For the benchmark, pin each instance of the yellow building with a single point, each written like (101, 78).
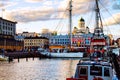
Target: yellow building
(36, 42)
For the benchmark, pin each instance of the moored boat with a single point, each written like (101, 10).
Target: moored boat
(61, 53)
(93, 70)
(3, 58)
(98, 67)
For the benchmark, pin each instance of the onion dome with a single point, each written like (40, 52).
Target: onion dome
(82, 19)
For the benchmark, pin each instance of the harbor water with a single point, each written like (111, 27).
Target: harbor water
(38, 69)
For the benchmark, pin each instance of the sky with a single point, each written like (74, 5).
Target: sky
(35, 15)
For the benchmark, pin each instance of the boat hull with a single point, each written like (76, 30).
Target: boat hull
(63, 55)
(3, 58)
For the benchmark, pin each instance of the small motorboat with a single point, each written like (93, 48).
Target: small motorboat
(3, 58)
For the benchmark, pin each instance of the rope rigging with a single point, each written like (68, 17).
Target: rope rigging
(109, 13)
(61, 20)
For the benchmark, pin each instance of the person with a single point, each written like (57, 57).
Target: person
(2, 50)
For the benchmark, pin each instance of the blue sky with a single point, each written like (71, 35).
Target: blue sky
(35, 15)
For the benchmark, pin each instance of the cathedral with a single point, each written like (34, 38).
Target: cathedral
(81, 29)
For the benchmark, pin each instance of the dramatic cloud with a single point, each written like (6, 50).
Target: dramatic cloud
(50, 10)
(28, 15)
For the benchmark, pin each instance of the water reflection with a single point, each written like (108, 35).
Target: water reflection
(44, 69)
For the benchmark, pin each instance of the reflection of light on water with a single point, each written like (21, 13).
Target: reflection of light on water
(46, 69)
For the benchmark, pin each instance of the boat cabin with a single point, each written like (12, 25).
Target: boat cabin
(92, 70)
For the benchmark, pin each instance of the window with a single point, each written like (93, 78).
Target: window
(96, 70)
(106, 72)
(83, 70)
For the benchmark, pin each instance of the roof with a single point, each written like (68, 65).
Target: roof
(7, 20)
(36, 38)
(103, 63)
(82, 19)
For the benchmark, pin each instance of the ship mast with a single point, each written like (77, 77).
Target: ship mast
(98, 27)
(70, 22)
(97, 14)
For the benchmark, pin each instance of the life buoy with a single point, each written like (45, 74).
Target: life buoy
(98, 78)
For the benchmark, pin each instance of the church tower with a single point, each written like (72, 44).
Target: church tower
(81, 23)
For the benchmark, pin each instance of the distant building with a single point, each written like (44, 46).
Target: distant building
(28, 34)
(46, 33)
(81, 35)
(62, 40)
(19, 37)
(82, 40)
(35, 42)
(81, 29)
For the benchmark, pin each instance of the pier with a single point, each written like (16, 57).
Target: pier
(19, 55)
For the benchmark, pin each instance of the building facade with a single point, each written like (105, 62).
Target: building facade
(35, 42)
(7, 27)
(28, 34)
(8, 43)
(62, 40)
(7, 33)
(82, 40)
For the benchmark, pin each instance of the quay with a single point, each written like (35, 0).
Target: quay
(16, 55)
(23, 54)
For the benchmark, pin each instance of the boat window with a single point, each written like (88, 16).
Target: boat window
(96, 70)
(106, 72)
(83, 71)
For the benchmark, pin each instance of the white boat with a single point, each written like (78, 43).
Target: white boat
(93, 70)
(3, 58)
(59, 54)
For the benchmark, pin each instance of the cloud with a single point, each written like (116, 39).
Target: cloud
(85, 6)
(6, 4)
(48, 12)
(115, 19)
(28, 14)
(33, 1)
(82, 6)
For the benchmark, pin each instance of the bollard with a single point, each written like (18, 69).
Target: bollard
(26, 59)
(18, 59)
(9, 59)
(33, 58)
